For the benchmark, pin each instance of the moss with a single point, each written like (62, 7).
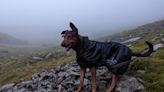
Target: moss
(154, 75)
(154, 82)
(140, 64)
(159, 54)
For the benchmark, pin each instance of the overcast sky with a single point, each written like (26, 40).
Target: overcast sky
(43, 20)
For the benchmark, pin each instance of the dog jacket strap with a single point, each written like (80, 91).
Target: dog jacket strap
(120, 64)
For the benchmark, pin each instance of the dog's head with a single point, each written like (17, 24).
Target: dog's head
(70, 37)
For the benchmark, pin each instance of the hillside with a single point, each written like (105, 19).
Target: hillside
(149, 69)
(8, 39)
(146, 31)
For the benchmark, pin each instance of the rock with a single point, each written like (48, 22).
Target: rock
(49, 55)
(25, 84)
(161, 35)
(86, 82)
(141, 81)
(35, 77)
(162, 40)
(132, 39)
(155, 38)
(7, 87)
(13, 57)
(102, 70)
(20, 90)
(102, 84)
(141, 71)
(158, 46)
(129, 84)
(37, 58)
(67, 79)
(62, 74)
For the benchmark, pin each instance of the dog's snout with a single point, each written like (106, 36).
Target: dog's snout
(62, 44)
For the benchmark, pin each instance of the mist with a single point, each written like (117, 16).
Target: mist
(43, 20)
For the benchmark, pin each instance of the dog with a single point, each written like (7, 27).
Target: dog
(92, 54)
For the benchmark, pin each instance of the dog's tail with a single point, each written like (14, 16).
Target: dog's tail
(147, 53)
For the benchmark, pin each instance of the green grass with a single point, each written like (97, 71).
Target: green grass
(154, 71)
(13, 71)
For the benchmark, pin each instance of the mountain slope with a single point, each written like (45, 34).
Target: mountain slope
(146, 31)
(8, 39)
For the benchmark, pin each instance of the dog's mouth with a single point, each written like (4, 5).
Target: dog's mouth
(68, 47)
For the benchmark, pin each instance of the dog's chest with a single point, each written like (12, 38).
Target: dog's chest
(96, 53)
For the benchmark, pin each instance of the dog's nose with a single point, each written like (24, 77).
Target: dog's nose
(62, 44)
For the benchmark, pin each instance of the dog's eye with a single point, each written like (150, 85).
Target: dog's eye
(69, 36)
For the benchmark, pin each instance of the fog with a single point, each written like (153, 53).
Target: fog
(43, 20)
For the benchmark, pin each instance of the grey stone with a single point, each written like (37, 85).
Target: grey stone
(37, 58)
(162, 40)
(132, 39)
(67, 79)
(141, 71)
(141, 81)
(7, 87)
(101, 85)
(158, 46)
(49, 55)
(21, 90)
(129, 84)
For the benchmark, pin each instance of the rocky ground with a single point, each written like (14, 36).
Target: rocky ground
(66, 79)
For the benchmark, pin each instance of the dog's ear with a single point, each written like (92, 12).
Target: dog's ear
(63, 32)
(73, 27)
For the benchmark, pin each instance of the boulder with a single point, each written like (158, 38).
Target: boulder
(129, 84)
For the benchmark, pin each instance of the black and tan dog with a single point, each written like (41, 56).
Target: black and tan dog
(92, 54)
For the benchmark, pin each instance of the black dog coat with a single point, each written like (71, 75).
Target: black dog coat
(104, 54)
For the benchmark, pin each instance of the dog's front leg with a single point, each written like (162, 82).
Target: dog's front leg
(82, 74)
(93, 73)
